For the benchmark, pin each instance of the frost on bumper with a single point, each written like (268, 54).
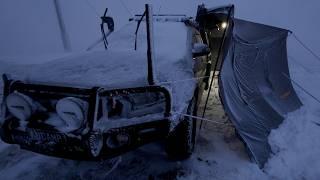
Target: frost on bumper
(63, 120)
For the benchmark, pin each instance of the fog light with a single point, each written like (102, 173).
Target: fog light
(72, 111)
(20, 106)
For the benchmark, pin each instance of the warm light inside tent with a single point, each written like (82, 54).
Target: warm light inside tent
(224, 25)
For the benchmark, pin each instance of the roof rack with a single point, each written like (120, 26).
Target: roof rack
(164, 17)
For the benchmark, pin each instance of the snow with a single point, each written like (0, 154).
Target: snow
(296, 147)
(121, 66)
(219, 154)
(296, 142)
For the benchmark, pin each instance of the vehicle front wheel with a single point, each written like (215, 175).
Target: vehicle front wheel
(181, 141)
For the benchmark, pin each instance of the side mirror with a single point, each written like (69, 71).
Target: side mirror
(107, 20)
(110, 23)
(200, 49)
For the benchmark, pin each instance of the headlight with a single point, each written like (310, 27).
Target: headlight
(20, 106)
(72, 111)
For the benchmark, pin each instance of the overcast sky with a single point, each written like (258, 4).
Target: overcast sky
(30, 27)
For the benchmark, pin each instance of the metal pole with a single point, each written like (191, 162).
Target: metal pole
(150, 50)
(64, 35)
(216, 64)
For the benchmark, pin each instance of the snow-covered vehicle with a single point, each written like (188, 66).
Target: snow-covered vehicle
(100, 104)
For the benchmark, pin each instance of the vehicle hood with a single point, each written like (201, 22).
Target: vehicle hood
(121, 66)
(107, 69)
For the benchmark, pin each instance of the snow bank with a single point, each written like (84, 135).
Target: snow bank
(296, 143)
(214, 159)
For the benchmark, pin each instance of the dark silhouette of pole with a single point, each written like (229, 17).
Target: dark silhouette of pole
(63, 32)
(216, 64)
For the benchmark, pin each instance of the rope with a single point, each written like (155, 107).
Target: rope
(296, 83)
(124, 5)
(303, 67)
(298, 63)
(305, 46)
(113, 167)
(93, 45)
(183, 80)
(205, 119)
(92, 8)
(162, 83)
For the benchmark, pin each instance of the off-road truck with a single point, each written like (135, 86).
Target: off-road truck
(145, 86)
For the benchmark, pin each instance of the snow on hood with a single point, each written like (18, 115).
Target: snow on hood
(108, 69)
(121, 66)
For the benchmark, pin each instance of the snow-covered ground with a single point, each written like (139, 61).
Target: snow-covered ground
(219, 154)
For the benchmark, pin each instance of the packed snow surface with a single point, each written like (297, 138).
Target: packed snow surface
(218, 155)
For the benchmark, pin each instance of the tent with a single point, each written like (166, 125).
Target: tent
(255, 86)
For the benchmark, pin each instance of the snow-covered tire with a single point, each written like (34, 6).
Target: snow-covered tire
(181, 141)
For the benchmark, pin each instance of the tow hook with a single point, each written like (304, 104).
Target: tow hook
(95, 143)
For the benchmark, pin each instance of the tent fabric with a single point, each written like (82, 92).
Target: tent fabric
(254, 89)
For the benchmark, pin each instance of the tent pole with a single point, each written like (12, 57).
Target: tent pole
(216, 64)
(64, 35)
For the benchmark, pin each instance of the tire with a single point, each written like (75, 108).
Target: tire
(181, 141)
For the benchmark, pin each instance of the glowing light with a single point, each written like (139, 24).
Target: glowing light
(224, 25)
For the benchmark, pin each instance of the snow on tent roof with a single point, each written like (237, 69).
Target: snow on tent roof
(254, 89)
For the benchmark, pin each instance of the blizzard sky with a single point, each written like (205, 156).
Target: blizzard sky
(30, 28)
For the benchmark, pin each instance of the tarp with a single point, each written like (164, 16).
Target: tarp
(255, 87)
